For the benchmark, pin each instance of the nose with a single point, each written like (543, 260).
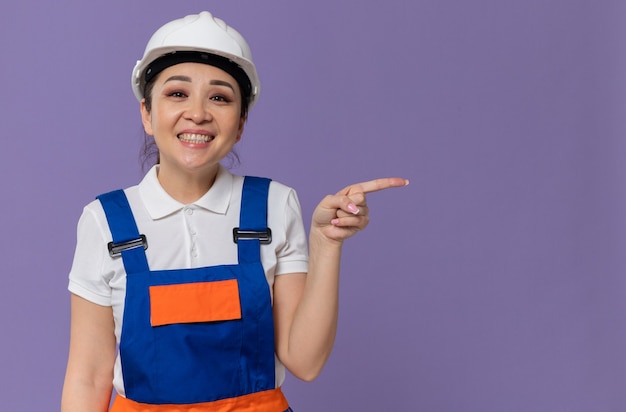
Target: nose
(198, 111)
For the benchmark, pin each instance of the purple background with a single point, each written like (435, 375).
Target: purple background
(494, 282)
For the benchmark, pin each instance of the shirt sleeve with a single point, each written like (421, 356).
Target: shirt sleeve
(87, 277)
(293, 256)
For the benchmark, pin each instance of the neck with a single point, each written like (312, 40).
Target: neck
(186, 187)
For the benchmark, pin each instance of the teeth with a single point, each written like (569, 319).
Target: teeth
(195, 138)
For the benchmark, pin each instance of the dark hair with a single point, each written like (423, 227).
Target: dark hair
(149, 151)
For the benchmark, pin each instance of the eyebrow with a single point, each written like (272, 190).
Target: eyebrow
(212, 82)
(221, 83)
(181, 78)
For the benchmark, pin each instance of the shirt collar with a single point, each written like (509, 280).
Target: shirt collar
(159, 203)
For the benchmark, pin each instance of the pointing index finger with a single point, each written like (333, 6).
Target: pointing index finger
(375, 185)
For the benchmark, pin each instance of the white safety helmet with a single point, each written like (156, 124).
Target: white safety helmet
(208, 37)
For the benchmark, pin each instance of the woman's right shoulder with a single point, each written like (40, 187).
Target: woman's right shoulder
(94, 211)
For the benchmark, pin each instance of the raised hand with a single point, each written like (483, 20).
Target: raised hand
(340, 216)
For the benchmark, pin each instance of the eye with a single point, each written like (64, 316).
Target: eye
(177, 94)
(221, 98)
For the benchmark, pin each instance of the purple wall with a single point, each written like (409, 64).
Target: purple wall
(494, 282)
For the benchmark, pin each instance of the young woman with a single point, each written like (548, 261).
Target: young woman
(195, 289)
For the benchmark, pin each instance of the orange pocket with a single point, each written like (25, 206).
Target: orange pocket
(194, 302)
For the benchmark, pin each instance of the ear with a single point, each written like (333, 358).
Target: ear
(242, 123)
(146, 118)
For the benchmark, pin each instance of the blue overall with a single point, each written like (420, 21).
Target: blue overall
(196, 361)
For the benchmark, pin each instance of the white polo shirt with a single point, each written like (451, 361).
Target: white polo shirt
(183, 236)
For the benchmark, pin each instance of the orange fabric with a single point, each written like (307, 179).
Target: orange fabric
(194, 302)
(266, 401)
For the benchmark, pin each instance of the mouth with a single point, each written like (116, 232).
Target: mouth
(195, 138)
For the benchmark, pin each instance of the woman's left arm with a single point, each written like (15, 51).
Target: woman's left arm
(306, 305)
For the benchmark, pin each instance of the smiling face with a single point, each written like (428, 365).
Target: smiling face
(194, 114)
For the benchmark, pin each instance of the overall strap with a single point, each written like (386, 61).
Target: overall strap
(127, 241)
(252, 230)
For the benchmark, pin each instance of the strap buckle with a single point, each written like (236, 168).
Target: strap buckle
(264, 236)
(116, 249)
